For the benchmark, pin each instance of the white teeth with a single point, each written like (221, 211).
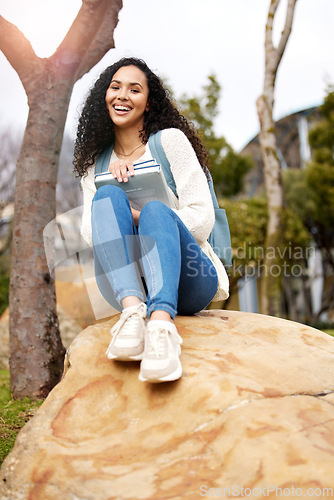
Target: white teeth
(122, 108)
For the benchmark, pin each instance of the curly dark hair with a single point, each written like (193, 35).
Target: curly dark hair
(95, 129)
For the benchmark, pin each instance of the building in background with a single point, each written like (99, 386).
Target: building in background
(293, 148)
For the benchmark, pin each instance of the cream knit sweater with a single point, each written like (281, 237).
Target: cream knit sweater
(193, 205)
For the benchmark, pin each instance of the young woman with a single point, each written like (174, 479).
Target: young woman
(182, 274)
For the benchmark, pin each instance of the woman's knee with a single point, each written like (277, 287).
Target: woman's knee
(154, 209)
(109, 191)
(107, 196)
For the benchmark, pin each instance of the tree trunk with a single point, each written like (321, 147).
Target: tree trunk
(33, 320)
(36, 350)
(272, 276)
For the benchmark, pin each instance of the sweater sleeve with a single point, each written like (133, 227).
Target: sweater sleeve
(88, 190)
(194, 205)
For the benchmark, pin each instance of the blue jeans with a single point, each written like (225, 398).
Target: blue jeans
(177, 276)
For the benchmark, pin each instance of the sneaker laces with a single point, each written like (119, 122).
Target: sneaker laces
(157, 338)
(128, 321)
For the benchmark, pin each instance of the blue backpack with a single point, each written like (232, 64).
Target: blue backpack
(219, 238)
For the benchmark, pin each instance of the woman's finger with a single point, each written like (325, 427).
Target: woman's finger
(131, 169)
(124, 172)
(118, 173)
(112, 168)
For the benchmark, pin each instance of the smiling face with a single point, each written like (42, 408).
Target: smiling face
(127, 98)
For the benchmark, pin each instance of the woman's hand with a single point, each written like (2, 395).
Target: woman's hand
(121, 169)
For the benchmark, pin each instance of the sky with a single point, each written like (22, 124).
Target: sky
(184, 41)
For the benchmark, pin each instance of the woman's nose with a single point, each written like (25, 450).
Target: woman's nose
(123, 94)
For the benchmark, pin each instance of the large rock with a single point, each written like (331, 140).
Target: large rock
(254, 409)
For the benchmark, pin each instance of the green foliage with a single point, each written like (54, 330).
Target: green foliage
(320, 182)
(321, 137)
(295, 235)
(248, 225)
(13, 415)
(248, 222)
(320, 171)
(4, 293)
(227, 167)
(297, 194)
(310, 193)
(4, 282)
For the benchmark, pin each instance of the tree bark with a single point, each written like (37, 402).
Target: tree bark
(36, 350)
(272, 277)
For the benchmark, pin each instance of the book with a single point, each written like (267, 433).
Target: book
(147, 184)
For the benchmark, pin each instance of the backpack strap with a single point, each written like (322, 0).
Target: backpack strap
(212, 192)
(159, 155)
(102, 163)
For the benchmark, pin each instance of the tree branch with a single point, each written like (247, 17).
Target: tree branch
(286, 30)
(92, 28)
(104, 39)
(18, 51)
(269, 46)
(274, 55)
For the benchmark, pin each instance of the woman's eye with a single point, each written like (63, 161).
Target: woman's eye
(135, 91)
(114, 88)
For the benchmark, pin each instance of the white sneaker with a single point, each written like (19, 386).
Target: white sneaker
(128, 334)
(161, 361)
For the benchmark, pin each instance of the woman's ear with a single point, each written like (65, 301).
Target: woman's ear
(147, 106)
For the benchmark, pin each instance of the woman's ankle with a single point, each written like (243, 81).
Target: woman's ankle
(161, 315)
(131, 301)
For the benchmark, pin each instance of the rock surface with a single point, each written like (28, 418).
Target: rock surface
(254, 409)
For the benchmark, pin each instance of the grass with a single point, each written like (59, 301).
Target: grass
(13, 415)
